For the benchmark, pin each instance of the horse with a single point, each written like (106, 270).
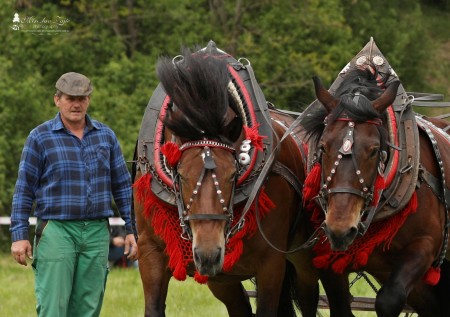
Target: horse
(349, 178)
(212, 152)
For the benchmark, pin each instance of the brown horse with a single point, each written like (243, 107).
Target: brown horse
(202, 168)
(353, 149)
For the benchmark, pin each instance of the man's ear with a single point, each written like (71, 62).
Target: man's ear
(56, 100)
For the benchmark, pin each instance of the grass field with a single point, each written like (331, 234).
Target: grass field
(124, 295)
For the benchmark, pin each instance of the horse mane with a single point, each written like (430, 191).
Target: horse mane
(356, 80)
(197, 86)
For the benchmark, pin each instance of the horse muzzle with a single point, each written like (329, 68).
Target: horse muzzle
(340, 240)
(209, 261)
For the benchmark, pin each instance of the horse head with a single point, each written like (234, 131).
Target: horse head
(351, 153)
(204, 123)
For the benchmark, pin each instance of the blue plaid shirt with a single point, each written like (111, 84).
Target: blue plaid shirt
(64, 178)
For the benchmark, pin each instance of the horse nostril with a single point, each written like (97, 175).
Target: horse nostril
(352, 232)
(197, 256)
(208, 258)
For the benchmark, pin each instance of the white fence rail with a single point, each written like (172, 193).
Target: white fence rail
(115, 221)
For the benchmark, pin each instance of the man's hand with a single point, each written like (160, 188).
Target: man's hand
(130, 247)
(20, 250)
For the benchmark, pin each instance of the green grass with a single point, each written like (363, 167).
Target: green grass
(124, 295)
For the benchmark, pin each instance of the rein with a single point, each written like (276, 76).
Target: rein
(209, 165)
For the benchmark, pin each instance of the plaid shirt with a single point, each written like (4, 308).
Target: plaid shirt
(64, 178)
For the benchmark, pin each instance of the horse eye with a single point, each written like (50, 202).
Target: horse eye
(374, 152)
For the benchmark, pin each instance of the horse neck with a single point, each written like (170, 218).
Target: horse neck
(289, 152)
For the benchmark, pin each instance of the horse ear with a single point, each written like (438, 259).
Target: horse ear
(233, 129)
(387, 98)
(323, 95)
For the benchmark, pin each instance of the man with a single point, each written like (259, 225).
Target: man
(71, 168)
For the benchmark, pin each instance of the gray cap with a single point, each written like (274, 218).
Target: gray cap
(74, 84)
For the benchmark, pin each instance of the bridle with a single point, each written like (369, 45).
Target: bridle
(209, 165)
(366, 191)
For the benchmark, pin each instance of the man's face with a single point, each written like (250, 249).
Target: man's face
(72, 108)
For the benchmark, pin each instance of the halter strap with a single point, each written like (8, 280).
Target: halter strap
(208, 165)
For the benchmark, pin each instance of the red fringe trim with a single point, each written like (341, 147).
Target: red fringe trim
(166, 225)
(358, 253)
(381, 232)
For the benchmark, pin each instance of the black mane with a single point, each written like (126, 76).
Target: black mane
(197, 87)
(356, 80)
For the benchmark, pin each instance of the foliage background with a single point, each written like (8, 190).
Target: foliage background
(117, 43)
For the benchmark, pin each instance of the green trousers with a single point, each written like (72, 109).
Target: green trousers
(70, 264)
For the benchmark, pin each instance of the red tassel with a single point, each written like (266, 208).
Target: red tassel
(252, 134)
(201, 279)
(172, 153)
(360, 260)
(432, 276)
(321, 261)
(180, 272)
(379, 185)
(312, 183)
(340, 264)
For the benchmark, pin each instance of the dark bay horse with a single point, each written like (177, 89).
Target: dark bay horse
(353, 147)
(207, 147)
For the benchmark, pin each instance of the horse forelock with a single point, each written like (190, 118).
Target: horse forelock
(361, 81)
(357, 80)
(197, 86)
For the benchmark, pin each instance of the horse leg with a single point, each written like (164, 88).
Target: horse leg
(155, 277)
(307, 283)
(233, 296)
(336, 287)
(392, 296)
(269, 280)
(432, 301)
(443, 289)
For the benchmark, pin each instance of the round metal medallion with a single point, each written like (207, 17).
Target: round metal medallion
(361, 60)
(378, 60)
